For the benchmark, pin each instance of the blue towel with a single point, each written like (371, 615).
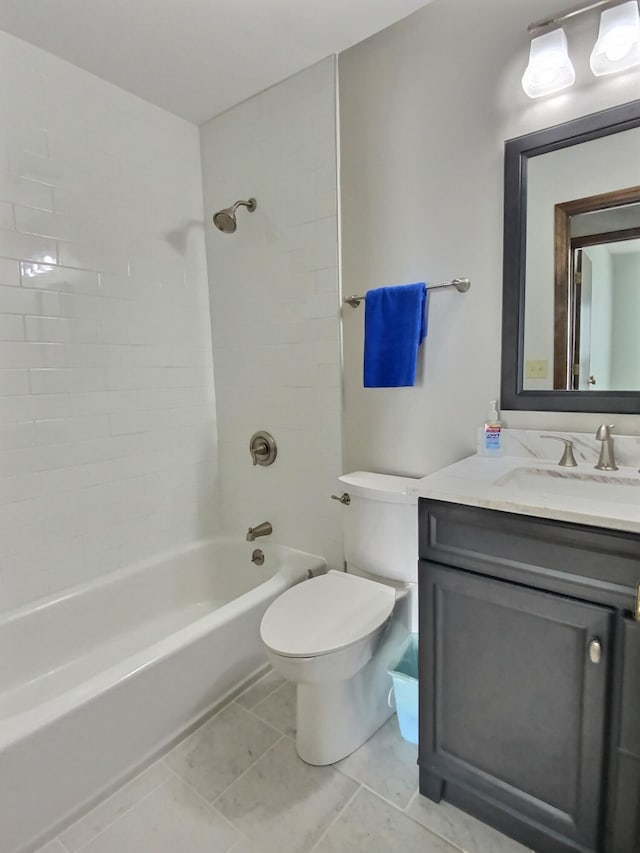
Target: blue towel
(395, 324)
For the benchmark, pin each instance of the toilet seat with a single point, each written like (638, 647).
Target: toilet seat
(325, 614)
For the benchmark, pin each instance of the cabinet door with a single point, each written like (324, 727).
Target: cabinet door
(625, 825)
(512, 706)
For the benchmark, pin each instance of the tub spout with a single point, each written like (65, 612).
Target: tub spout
(263, 529)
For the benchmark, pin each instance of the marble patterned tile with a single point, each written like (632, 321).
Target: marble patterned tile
(220, 750)
(260, 690)
(371, 825)
(246, 846)
(172, 818)
(279, 709)
(281, 803)
(52, 847)
(385, 763)
(463, 830)
(117, 804)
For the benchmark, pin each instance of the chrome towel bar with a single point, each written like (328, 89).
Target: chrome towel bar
(460, 284)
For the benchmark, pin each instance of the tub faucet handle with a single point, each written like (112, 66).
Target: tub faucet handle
(263, 448)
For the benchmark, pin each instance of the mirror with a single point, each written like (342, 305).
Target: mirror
(571, 289)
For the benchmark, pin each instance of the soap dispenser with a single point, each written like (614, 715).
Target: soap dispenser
(492, 437)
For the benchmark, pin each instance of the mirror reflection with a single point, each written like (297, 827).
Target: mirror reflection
(597, 292)
(582, 286)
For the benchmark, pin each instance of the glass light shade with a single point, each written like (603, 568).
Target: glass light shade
(549, 69)
(618, 45)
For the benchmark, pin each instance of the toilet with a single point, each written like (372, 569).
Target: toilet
(336, 635)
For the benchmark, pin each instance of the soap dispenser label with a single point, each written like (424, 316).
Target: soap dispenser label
(492, 437)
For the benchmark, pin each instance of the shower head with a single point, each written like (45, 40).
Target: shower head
(225, 220)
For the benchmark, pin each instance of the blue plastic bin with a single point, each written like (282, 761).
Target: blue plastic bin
(405, 689)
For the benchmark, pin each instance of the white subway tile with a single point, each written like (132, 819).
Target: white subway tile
(23, 191)
(11, 327)
(30, 220)
(9, 273)
(19, 300)
(68, 430)
(26, 354)
(47, 406)
(104, 325)
(17, 435)
(50, 381)
(13, 382)
(32, 459)
(58, 278)
(91, 258)
(27, 247)
(19, 488)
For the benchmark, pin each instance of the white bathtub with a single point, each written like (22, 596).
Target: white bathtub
(95, 681)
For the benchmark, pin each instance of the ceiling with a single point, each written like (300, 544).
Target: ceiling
(197, 58)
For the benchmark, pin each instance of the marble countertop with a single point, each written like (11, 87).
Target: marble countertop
(529, 485)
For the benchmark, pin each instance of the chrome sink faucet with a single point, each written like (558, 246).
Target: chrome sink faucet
(607, 460)
(263, 529)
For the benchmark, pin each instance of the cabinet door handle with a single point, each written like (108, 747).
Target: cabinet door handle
(595, 651)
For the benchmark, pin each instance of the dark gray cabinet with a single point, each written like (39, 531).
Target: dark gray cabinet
(529, 677)
(624, 827)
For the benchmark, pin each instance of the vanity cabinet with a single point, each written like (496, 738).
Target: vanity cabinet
(529, 676)
(625, 800)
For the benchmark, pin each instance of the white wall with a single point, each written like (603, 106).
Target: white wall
(625, 357)
(107, 430)
(425, 108)
(601, 315)
(274, 297)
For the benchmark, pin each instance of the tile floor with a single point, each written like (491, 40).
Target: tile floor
(236, 785)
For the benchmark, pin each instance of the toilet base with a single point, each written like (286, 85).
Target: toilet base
(334, 719)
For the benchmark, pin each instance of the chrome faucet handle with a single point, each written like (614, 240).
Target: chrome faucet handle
(607, 459)
(567, 460)
(603, 433)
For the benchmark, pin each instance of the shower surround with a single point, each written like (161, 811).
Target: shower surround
(107, 419)
(108, 424)
(275, 308)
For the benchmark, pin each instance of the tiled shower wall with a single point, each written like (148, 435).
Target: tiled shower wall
(275, 308)
(107, 426)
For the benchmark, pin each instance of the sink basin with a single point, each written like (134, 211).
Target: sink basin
(606, 485)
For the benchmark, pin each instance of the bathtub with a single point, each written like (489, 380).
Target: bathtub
(95, 681)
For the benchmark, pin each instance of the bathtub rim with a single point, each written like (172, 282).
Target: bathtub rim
(18, 726)
(135, 567)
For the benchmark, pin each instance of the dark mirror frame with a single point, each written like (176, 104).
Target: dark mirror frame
(517, 154)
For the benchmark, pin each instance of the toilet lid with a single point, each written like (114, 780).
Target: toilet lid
(325, 614)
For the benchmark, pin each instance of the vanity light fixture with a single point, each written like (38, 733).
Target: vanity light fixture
(618, 47)
(549, 69)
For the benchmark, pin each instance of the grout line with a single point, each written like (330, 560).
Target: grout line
(246, 770)
(412, 800)
(266, 696)
(271, 725)
(159, 755)
(106, 800)
(337, 817)
(209, 805)
(116, 819)
(413, 819)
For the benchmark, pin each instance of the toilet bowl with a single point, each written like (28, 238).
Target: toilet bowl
(336, 635)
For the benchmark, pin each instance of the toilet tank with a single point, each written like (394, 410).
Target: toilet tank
(381, 526)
